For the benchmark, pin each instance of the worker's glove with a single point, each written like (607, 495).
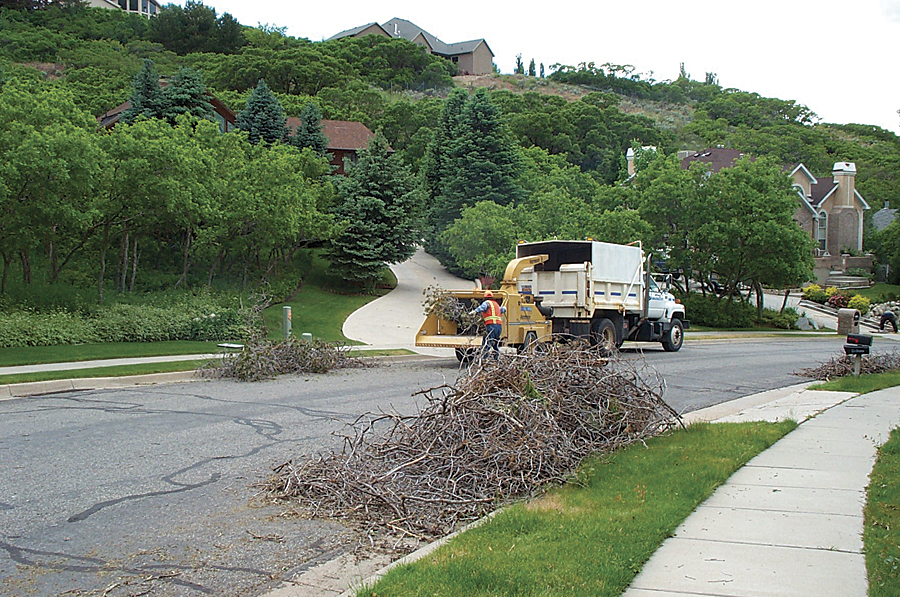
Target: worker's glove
(472, 312)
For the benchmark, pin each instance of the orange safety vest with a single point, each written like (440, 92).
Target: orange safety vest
(492, 315)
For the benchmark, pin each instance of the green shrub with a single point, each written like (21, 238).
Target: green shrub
(783, 321)
(711, 311)
(26, 327)
(858, 301)
(814, 293)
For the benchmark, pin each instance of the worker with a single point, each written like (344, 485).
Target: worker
(888, 317)
(493, 323)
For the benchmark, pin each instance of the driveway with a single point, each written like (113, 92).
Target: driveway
(393, 320)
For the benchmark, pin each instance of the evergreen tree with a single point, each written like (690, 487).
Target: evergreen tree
(310, 133)
(380, 210)
(263, 117)
(520, 66)
(147, 98)
(542, 70)
(186, 94)
(531, 70)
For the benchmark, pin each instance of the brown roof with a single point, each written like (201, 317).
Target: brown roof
(715, 157)
(342, 134)
(110, 118)
(821, 190)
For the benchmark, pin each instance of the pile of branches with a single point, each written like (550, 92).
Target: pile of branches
(444, 305)
(264, 359)
(842, 365)
(502, 432)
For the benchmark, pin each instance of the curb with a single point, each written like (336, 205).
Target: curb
(39, 388)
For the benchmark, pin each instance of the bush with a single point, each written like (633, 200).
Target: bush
(838, 300)
(156, 318)
(783, 321)
(714, 312)
(858, 301)
(831, 291)
(814, 293)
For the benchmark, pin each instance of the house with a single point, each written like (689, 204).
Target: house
(345, 139)
(830, 209)
(470, 57)
(148, 8)
(882, 218)
(224, 115)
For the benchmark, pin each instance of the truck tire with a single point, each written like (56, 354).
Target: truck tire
(674, 338)
(603, 336)
(529, 344)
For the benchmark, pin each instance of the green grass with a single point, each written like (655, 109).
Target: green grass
(319, 311)
(115, 371)
(862, 384)
(881, 533)
(879, 291)
(588, 540)
(35, 355)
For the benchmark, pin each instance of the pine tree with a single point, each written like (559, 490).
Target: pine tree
(381, 208)
(310, 133)
(531, 70)
(263, 117)
(186, 94)
(147, 97)
(520, 66)
(542, 70)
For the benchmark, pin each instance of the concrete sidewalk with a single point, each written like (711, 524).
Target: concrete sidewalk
(790, 522)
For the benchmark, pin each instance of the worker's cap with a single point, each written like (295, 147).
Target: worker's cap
(488, 294)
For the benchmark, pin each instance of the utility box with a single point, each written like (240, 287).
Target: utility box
(848, 321)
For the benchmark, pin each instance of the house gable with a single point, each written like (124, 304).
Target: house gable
(345, 140)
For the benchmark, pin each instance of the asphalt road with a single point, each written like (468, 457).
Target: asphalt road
(151, 490)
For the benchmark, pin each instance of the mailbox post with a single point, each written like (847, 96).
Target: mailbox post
(857, 345)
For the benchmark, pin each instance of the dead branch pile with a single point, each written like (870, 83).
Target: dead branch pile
(445, 306)
(502, 432)
(263, 359)
(842, 365)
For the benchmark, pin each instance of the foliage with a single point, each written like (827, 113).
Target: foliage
(176, 317)
(309, 133)
(263, 117)
(715, 312)
(380, 209)
(814, 293)
(196, 28)
(839, 300)
(860, 303)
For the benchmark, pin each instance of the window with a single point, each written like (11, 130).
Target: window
(145, 5)
(123, 4)
(152, 8)
(133, 5)
(822, 232)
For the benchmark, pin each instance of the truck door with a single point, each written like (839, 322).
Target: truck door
(656, 308)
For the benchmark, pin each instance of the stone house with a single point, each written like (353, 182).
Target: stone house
(470, 57)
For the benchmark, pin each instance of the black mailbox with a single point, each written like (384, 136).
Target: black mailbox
(856, 349)
(859, 339)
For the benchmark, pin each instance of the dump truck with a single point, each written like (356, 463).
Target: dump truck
(565, 289)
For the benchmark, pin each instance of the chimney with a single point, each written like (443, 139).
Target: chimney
(629, 157)
(396, 30)
(845, 177)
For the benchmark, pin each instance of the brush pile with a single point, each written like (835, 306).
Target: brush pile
(503, 431)
(842, 365)
(444, 305)
(264, 359)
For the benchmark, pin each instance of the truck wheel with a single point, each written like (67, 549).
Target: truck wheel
(674, 337)
(465, 355)
(603, 336)
(530, 342)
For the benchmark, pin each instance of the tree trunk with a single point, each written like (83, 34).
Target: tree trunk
(212, 270)
(103, 247)
(186, 262)
(134, 262)
(759, 301)
(51, 258)
(26, 266)
(7, 260)
(123, 262)
(787, 293)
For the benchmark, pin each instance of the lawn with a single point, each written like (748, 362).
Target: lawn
(879, 292)
(117, 371)
(881, 535)
(35, 355)
(588, 538)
